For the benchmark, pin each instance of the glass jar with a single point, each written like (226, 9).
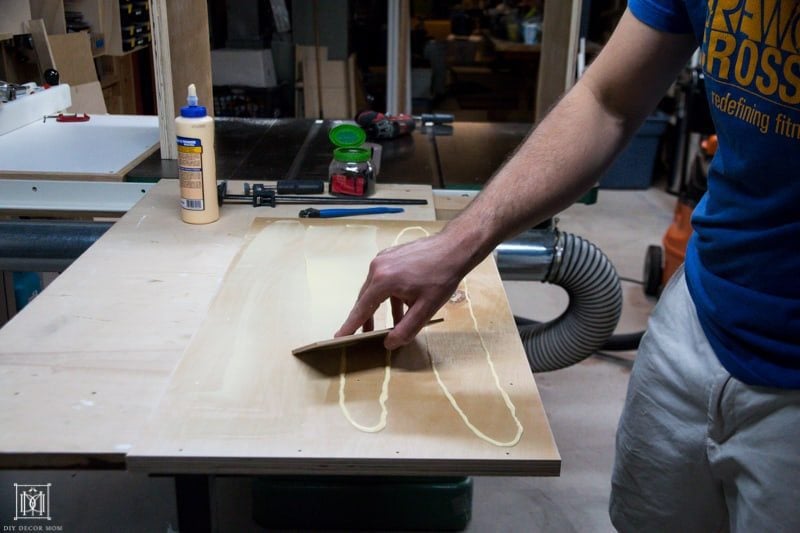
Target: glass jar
(351, 172)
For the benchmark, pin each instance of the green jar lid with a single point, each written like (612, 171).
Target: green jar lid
(351, 155)
(347, 135)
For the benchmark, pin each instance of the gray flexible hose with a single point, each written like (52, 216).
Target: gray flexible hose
(595, 305)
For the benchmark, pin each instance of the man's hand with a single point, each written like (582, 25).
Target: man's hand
(419, 274)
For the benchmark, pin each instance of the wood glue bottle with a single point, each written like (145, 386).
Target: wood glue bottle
(197, 168)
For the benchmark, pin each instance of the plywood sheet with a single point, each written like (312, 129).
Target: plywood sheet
(87, 98)
(51, 13)
(15, 14)
(72, 56)
(190, 52)
(559, 48)
(460, 399)
(85, 364)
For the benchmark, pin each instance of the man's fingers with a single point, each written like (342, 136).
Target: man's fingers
(361, 314)
(365, 307)
(397, 310)
(358, 317)
(369, 325)
(367, 282)
(405, 331)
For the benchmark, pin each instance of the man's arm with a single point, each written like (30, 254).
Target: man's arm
(559, 160)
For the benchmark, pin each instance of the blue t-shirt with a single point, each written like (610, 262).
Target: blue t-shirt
(743, 261)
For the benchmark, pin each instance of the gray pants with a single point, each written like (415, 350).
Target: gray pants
(698, 450)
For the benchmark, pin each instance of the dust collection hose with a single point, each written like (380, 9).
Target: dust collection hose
(621, 342)
(595, 295)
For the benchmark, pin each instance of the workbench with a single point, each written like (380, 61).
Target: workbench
(85, 366)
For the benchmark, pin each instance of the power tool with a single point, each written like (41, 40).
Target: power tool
(380, 126)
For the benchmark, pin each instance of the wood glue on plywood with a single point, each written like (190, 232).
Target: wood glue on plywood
(384, 395)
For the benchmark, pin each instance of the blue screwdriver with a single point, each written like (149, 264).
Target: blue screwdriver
(347, 212)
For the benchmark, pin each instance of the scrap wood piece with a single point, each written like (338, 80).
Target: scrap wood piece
(349, 340)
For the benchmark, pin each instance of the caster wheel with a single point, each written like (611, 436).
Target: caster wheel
(653, 270)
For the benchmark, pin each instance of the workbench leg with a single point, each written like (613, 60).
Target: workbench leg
(193, 496)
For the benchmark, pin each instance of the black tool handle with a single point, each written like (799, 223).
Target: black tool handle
(351, 200)
(300, 187)
(437, 118)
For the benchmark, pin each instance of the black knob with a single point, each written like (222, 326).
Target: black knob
(51, 76)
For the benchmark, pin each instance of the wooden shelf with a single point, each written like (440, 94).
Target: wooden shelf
(128, 52)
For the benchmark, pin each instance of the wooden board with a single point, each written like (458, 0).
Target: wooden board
(83, 365)
(16, 13)
(41, 44)
(118, 83)
(87, 98)
(86, 362)
(450, 202)
(181, 55)
(239, 402)
(561, 26)
(349, 340)
(190, 52)
(162, 71)
(51, 13)
(328, 85)
(105, 147)
(72, 56)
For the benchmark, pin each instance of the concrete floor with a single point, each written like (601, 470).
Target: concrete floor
(583, 403)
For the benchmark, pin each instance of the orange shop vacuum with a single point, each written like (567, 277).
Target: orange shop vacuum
(660, 263)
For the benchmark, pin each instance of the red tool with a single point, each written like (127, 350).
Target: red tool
(380, 126)
(68, 117)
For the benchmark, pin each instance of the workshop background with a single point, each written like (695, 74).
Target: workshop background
(276, 69)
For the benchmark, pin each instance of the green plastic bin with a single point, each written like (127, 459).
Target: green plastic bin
(358, 503)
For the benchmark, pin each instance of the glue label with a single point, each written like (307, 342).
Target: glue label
(190, 173)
